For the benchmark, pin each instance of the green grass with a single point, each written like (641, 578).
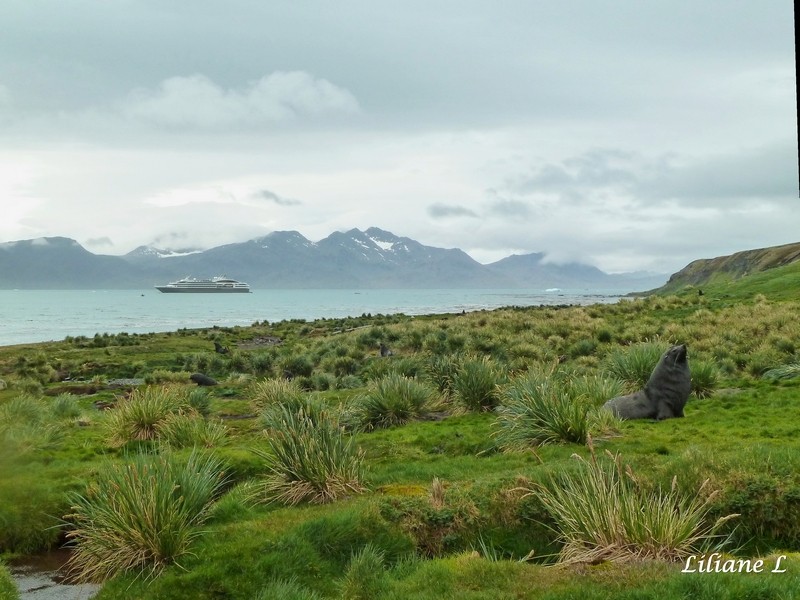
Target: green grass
(8, 589)
(437, 498)
(365, 577)
(286, 589)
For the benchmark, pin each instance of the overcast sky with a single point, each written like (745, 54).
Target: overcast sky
(626, 134)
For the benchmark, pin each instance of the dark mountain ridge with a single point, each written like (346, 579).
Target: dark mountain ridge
(285, 259)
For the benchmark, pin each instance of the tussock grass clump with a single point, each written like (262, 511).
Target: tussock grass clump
(23, 408)
(142, 515)
(8, 589)
(705, 375)
(597, 389)
(21, 440)
(408, 366)
(393, 400)
(138, 417)
(162, 376)
(441, 370)
(268, 392)
(26, 425)
(365, 577)
(634, 364)
(200, 400)
(296, 365)
(475, 384)
(65, 406)
(261, 363)
(29, 502)
(311, 458)
(187, 429)
(286, 589)
(783, 372)
(205, 362)
(536, 410)
(28, 386)
(603, 513)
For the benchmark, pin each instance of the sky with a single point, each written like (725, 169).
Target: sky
(627, 135)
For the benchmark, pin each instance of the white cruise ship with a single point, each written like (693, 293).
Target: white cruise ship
(223, 285)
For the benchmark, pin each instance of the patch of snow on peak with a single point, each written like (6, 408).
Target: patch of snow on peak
(382, 245)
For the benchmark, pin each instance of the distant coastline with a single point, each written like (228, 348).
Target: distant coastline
(33, 316)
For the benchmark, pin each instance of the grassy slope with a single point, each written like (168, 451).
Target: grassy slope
(745, 440)
(757, 266)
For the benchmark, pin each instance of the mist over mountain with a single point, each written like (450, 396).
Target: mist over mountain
(285, 259)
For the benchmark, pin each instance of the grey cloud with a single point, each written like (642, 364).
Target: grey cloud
(597, 167)
(713, 180)
(171, 237)
(273, 197)
(99, 241)
(510, 208)
(198, 102)
(769, 173)
(554, 61)
(444, 211)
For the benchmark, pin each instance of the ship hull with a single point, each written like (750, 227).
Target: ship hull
(177, 290)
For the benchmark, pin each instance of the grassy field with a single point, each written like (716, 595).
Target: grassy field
(318, 469)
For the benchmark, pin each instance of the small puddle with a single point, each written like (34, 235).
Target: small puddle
(41, 577)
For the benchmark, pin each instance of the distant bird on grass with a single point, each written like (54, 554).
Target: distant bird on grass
(385, 351)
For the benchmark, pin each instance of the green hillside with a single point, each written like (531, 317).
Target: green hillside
(749, 266)
(777, 283)
(422, 475)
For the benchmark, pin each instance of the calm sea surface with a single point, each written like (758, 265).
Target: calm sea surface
(38, 315)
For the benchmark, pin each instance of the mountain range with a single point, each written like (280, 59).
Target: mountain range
(285, 259)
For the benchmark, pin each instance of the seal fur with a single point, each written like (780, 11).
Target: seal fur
(665, 393)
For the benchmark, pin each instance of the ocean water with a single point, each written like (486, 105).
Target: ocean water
(28, 316)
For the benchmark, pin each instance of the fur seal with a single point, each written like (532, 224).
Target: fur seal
(202, 379)
(665, 393)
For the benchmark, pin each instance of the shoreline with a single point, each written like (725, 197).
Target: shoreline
(37, 316)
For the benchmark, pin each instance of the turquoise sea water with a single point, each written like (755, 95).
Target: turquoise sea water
(28, 316)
